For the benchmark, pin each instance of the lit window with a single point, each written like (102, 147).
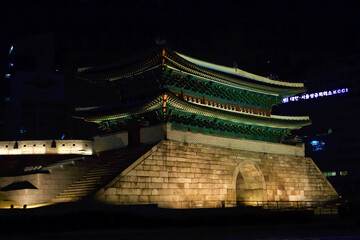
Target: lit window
(329, 174)
(8, 75)
(343, 173)
(317, 145)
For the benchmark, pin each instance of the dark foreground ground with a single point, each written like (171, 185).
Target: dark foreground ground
(94, 221)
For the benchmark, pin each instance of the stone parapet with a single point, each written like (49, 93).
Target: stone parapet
(36, 147)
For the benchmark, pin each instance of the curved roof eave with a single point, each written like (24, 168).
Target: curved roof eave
(239, 72)
(285, 122)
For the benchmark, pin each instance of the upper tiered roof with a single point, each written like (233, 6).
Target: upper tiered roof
(167, 58)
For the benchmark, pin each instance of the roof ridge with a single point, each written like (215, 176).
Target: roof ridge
(237, 72)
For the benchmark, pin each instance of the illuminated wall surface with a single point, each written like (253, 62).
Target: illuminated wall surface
(188, 170)
(181, 175)
(82, 147)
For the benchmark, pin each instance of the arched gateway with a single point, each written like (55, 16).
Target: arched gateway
(249, 184)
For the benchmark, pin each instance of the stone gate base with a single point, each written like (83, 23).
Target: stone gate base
(174, 174)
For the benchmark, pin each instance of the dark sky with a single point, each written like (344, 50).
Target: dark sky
(285, 37)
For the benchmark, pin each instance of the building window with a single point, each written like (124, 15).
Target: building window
(317, 145)
(329, 174)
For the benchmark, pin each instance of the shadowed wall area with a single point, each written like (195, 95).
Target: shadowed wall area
(250, 185)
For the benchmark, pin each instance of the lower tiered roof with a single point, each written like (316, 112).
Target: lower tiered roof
(167, 107)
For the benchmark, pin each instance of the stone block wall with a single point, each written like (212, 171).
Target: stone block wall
(48, 185)
(110, 142)
(183, 175)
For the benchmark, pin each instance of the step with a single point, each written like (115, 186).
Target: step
(73, 195)
(66, 199)
(91, 178)
(74, 187)
(98, 173)
(79, 189)
(86, 181)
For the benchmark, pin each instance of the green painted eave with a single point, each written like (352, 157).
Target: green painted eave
(181, 106)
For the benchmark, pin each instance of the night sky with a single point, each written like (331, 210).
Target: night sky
(286, 38)
(312, 41)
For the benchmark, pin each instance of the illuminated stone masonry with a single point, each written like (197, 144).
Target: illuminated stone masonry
(183, 169)
(35, 171)
(186, 175)
(45, 184)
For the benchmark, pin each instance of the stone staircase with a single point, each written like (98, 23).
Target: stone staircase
(110, 164)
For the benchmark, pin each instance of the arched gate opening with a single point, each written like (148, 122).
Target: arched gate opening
(250, 186)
